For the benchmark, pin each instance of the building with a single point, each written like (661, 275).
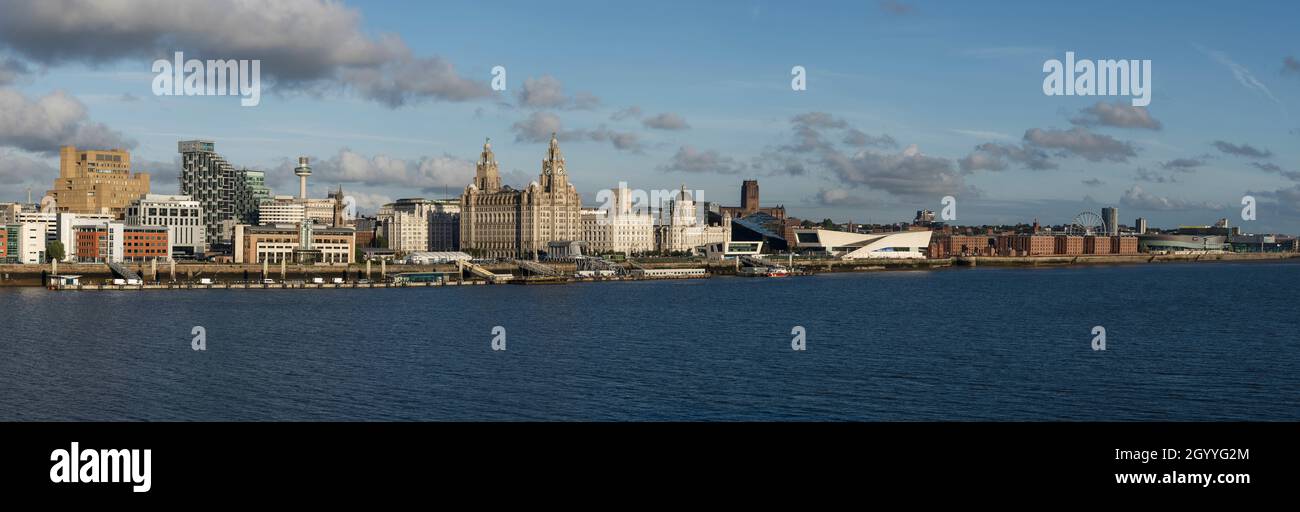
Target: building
(31, 243)
(417, 224)
(1182, 243)
(618, 229)
(444, 225)
(23, 243)
(947, 246)
(1141, 225)
(96, 181)
(680, 229)
(1110, 216)
(1026, 245)
(281, 210)
(181, 215)
(923, 218)
(854, 246)
(303, 244)
(1071, 245)
(226, 195)
(9, 212)
(48, 221)
(435, 257)
(66, 228)
(749, 203)
(115, 242)
(497, 221)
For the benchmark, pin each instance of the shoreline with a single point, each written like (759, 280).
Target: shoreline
(227, 275)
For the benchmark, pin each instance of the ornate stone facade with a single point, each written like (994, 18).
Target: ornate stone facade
(500, 222)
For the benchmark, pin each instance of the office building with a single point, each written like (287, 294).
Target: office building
(681, 230)
(181, 215)
(620, 228)
(66, 229)
(96, 181)
(304, 243)
(115, 242)
(498, 221)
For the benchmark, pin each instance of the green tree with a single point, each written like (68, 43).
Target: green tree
(54, 251)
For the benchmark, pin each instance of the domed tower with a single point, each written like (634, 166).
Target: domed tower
(487, 176)
(302, 171)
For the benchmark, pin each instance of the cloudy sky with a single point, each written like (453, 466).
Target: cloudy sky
(906, 101)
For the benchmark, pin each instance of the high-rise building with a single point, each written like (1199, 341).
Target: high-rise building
(227, 195)
(1141, 225)
(181, 215)
(497, 221)
(96, 181)
(1110, 216)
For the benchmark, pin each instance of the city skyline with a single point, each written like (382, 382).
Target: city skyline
(391, 110)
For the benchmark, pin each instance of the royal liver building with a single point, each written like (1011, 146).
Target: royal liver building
(500, 222)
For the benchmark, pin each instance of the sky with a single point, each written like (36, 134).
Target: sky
(906, 102)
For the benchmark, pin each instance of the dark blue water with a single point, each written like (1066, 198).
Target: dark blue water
(1184, 342)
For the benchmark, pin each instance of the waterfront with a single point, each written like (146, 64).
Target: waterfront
(1208, 341)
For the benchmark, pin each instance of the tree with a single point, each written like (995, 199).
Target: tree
(54, 251)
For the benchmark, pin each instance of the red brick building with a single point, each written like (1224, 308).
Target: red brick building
(1096, 245)
(143, 243)
(1124, 245)
(1069, 245)
(1026, 245)
(138, 243)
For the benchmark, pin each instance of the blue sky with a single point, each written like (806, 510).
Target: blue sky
(944, 77)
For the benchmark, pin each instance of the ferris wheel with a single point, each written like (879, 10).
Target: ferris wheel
(1087, 224)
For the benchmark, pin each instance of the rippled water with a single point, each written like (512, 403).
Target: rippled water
(1184, 342)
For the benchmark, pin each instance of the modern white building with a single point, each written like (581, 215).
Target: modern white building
(681, 230)
(67, 225)
(436, 257)
(855, 246)
(618, 228)
(31, 243)
(47, 220)
(181, 215)
(281, 210)
(419, 225)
